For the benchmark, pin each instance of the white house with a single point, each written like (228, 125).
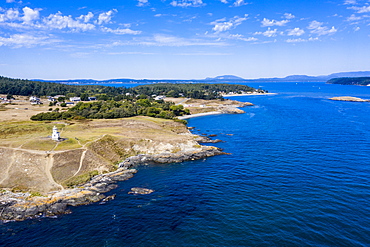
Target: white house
(160, 97)
(75, 99)
(55, 135)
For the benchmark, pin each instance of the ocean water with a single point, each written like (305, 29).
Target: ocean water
(298, 174)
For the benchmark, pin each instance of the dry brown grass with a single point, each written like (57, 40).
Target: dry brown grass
(36, 135)
(21, 109)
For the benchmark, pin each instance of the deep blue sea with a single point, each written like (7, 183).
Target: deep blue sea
(298, 175)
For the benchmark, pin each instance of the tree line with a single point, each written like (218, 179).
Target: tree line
(191, 90)
(206, 91)
(22, 87)
(118, 102)
(116, 109)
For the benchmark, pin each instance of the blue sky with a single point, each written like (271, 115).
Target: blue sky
(182, 39)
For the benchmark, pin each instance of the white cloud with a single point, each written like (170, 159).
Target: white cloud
(12, 14)
(317, 28)
(25, 40)
(295, 32)
(356, 29)
(86, 18)
(187, 3)
(295, 40)
(131, 53)
(360, 10)
(120, 31)
(167, 40)
(347, 2)
(289, 16)
(268, 33)
(106, 17)
(239, 3)
(313, 39)
(222, 25)
(270, 23)
(241, 37)
(354, 18)
(58, 21)
(30, 15)
(142, 3)
(10, 1)
(224, 1)
(31, 20)
(299, 40)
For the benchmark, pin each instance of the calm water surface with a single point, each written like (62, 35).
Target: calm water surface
(298, 175)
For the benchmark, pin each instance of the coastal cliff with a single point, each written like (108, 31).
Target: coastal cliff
(41, 177)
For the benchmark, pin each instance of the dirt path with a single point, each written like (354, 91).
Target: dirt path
(6, 172)
(84, 152)
(48, 167)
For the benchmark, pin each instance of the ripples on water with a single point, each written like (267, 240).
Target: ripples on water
(298, 175)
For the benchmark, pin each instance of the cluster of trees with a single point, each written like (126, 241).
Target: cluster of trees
(190, 90)
(27, 88)
(113, 109)
(360, 81)
(117, 102)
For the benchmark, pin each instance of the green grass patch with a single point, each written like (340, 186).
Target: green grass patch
(40, 144)
(81, 179)
(16, 129)
(34, 194)
(70, 143)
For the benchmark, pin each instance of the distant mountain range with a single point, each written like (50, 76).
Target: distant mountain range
(223, 78)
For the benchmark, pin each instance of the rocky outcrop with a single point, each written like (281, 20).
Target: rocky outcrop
(349, 98)
(27, 174)
(205, 139)
(180, 156)
(21, 206)
(140, 191)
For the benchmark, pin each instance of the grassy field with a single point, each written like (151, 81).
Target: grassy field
(75, 134)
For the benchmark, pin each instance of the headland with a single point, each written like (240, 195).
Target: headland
(42, 177)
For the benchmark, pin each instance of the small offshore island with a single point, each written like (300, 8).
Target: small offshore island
(350, 99)
(98, 141)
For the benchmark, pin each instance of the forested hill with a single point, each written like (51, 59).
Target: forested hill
(189, 90)
(37, 88)
(359, 81)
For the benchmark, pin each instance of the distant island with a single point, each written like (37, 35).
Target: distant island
(217, 79)
(358, 81)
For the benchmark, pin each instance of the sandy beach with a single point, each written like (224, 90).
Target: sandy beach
(200, 115)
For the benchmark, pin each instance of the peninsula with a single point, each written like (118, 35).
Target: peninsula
(71, 154)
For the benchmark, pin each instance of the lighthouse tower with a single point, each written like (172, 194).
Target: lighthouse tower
(55, 136)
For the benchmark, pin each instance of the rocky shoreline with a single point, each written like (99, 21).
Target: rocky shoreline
(22, 206)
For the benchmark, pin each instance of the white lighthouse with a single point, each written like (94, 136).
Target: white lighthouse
(55, 136)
